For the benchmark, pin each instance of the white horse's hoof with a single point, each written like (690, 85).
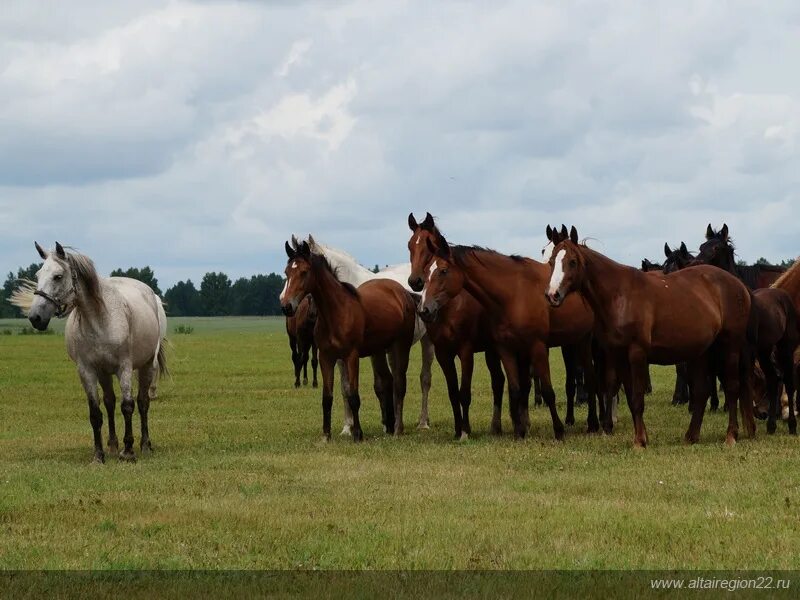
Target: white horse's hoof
(423, 425)
(464, 436)
(346, 430)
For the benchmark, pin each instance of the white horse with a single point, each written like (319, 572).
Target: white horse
(115, 326)
(350, 271)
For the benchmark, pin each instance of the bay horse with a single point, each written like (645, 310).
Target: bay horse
(350, 271)
(300, 329)
(115, 326)
(776, 317)
(461, 329)
(692, 315)
(522, 327)
(376, 319)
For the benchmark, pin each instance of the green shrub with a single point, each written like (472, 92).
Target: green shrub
(184, 329)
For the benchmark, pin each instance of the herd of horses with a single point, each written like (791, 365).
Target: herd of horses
(712, 318)
(702, 312)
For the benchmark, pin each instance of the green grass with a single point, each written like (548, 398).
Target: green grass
(241, 479)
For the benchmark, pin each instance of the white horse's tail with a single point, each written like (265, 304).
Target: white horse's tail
(23, 296)
(161, 358)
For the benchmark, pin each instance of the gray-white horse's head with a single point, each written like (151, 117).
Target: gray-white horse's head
(55, 287)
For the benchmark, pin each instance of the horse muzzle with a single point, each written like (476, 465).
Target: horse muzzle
(554, 298)
(38, 322)
(288, 309)
(416, 283)
(428, 314)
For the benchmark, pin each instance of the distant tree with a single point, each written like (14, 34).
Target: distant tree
(741, 263)
(7, 310)
(183, 299)
(762, 261)
(376, 269)
(787, 263)
(145, 275)
(215, 292)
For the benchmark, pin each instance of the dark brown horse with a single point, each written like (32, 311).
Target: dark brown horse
(522, 327)
(689, 316)
(776, 316)
(462, 329)
(300, 329)
(375, 320)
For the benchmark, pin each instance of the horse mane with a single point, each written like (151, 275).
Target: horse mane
(788, 274)
(321, 262)
(460, 253)
(83, 271)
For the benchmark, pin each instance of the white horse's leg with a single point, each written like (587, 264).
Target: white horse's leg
(348, 414)
(89, 380)
(110, 400)
(125, 375)
(428, 352)
(147, 374)
(153, 387)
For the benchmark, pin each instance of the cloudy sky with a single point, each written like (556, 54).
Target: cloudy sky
(196, 136)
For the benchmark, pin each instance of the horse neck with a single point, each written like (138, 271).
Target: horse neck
(89, 311)
(790, 281)
(599, 286)
(347, 268)
(330, 297)
(488, 278)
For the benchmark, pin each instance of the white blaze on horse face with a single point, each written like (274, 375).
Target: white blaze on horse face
(418, 236)
(432, 268)
(294, 265)
(285, 287)
(558, 272)
(547, 252)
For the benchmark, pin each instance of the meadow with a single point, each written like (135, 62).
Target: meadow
(240, 477)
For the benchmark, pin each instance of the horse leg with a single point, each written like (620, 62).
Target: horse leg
(110, 401)
(295, 361)
(511, 367)
(785, 362)
(304, 362)
(611, 378)
(428, 352)
(314, 362)
(567, 352)
(731, 383)
(771, 377)
(125, 376)
(525, 383)
(447, 363)
(347, 427)
(537, 391)
(400, 354)
(467, 359)
(353, 398)
(89, 380)
(648, 387)
(383, 388)
(541, 366)
(697, 372)
(326, 367)
(681, 393)
(742, 365)
(585, 355)
(637, 381)
(498, 383)
(146, 374)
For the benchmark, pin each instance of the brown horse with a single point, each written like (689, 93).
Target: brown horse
(777, 321)
(521, 325)
(375, 320)
(462, 329)
(300, 329)
(689, 316)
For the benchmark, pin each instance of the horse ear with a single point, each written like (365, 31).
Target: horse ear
(564, 232)
(709, 232)
(573, 235)
(428, 224)
(644, 264)
(304, 250)
(290, 252)
(667, 251)
(295, 243)
(549, 233)
(684, 249)
(724, 231)
(60, 251)
(40, 250)
(412, 222)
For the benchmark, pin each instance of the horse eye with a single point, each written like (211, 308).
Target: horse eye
(443, 272)
(57, 277)
(573, 263)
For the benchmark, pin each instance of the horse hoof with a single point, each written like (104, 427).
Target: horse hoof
(569, 421)
(594, 428)
(98, 459)
(305, 381)
(464, 436)
(793, 429)
(771, 426)
(296, 384)
(423, 425)
(146, 448)
(313, 385)
(730, 440)
(113, 446)
(559, 433)
(127, 456)
(345, 431)
(358, 435)
(761, 416)
(496, 429)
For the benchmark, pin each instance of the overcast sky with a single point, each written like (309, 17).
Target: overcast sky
(197, 136)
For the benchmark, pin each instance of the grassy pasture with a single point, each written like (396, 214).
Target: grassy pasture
(241, 479)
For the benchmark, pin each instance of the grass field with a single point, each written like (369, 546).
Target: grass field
(241, 479)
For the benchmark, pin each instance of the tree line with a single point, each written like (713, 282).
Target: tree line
(216, 296)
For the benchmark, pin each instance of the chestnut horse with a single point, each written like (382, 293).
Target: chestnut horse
(300, 329)
(377, 319)
(690, 316)
(522, 328)
(776, 317)
(461, 329)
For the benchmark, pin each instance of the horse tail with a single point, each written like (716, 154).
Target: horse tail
(161, 358)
